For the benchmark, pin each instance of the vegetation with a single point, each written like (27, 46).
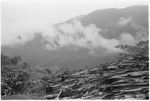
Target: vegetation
(126, 78)
(15, 78)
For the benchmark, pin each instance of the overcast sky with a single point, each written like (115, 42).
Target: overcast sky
(22, 16)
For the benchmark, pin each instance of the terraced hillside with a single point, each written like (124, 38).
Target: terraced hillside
(126, 79)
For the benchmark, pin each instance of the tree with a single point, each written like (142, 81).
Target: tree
(14, 79)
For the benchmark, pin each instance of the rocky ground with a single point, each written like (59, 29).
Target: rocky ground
(127, 79)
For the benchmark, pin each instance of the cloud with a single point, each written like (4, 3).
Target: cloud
(86, 37)
(75, 34)
(127, 38)
(18, 39)
(124, 21)
(142, 32)
(25, 29)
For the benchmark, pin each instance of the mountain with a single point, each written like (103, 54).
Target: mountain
(84, 40)
(116, 21)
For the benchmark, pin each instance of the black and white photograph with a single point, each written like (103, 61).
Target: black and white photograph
(75, 50)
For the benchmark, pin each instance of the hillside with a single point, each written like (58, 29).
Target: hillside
(90, 40)
(127, 78)
(116, 21)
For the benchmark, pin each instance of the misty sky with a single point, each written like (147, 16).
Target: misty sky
(25, 17)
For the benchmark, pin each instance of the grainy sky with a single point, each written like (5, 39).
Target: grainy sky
(25, 16)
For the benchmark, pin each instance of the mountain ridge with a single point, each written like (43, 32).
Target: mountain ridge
(114, 24)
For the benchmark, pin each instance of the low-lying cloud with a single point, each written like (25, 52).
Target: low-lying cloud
(127, 38)
(124, 21)
(88, 37)
(74, 33)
